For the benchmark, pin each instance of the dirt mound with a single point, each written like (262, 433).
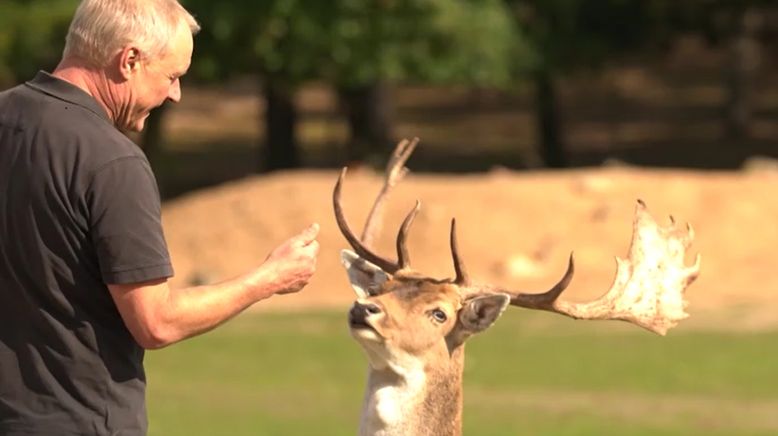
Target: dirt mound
(515, 229)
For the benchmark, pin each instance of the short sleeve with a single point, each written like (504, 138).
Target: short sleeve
(126, 224)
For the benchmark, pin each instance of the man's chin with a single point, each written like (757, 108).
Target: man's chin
(137, 125)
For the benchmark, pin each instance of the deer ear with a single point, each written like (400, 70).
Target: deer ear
(366, 278)
(476, 315)
(479, 313)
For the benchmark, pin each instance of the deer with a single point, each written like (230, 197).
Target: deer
(413, 328)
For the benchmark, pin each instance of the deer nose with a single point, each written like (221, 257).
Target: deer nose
(360, 311)
(365, 309)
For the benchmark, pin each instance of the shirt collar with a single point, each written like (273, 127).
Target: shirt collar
(66, 91)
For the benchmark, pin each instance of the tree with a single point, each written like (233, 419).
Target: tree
(572, 35)
(359, 47)
(743, 29)
(422, 41)
(32, 36)
(277, 41)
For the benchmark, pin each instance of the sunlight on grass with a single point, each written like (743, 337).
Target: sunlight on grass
(301, 374)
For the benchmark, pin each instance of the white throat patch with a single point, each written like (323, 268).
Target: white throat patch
(388, 406)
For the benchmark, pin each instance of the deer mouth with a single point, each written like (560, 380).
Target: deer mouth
(358, 323)
(363, 332)
(357, 318)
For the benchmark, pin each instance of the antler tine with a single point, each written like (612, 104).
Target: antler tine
(395, 172)
(649, 285)
(395, 168)
(355, 243)
(545, 301)
(462, 278)
(403, 259)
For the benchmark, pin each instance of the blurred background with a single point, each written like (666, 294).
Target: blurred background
(519, 84)
(541, 121)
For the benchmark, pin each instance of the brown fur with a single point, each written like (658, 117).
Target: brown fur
(416, 368)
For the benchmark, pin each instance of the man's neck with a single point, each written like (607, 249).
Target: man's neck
(93, 81)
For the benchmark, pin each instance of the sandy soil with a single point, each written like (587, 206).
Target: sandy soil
(515, 229)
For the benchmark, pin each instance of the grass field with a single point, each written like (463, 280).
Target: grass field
(301, 374)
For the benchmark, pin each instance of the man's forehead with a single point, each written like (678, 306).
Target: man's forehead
(184, 58)
(179, 52)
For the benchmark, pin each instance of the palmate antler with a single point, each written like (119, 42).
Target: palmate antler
(649, 286)
(648, 289)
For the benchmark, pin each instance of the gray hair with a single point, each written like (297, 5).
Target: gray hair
(101, 28)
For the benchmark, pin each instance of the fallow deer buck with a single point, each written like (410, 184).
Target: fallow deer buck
(413, 328)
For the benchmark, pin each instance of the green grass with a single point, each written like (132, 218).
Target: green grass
(301, 374)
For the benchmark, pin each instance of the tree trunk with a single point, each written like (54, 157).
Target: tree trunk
(549, 125)
(368, 111)
(744, 60)
(280, 119)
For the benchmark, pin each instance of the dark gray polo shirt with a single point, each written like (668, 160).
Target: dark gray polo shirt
(79, 208)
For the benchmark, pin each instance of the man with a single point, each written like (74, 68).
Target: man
(83, 261)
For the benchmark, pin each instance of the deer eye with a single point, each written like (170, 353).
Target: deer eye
(439, 315)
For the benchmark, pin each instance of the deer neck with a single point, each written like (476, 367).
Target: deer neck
(414, 399)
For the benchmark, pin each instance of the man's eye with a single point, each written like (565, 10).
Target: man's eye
(439, 315)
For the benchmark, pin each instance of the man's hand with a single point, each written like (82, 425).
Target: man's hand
(293, 263)
(158, 316)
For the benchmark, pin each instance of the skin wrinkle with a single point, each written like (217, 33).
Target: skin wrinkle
(141, 84)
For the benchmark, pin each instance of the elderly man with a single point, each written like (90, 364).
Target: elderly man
(83, 260)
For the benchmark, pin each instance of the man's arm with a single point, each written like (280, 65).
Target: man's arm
(158, 316)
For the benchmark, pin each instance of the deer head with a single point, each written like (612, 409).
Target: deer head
(406, 316)
(413, 327)
(400, 312)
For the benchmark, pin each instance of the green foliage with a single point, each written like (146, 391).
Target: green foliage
(354, 42)
(351, 42)
(567, 35)
(532, 373)
(32, 36)
(473, 43)
(572, 34)
(276, 38)
(438, 41)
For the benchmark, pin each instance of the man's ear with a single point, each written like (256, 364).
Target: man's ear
(129, 61)
(366, 278)
(476, 315)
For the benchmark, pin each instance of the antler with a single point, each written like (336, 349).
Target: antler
(647, 290)
(462, 278)
(395, 171)
(649, 284)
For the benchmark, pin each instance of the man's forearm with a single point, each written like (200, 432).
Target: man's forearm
(158, 315)
(191, 311)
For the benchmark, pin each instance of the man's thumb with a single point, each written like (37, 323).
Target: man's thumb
(309, 234)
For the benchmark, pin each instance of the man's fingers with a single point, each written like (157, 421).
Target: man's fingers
(307, 236)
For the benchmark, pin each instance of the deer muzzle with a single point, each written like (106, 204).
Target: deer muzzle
(357, 316)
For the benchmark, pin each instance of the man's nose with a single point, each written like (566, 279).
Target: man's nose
(174, 94)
